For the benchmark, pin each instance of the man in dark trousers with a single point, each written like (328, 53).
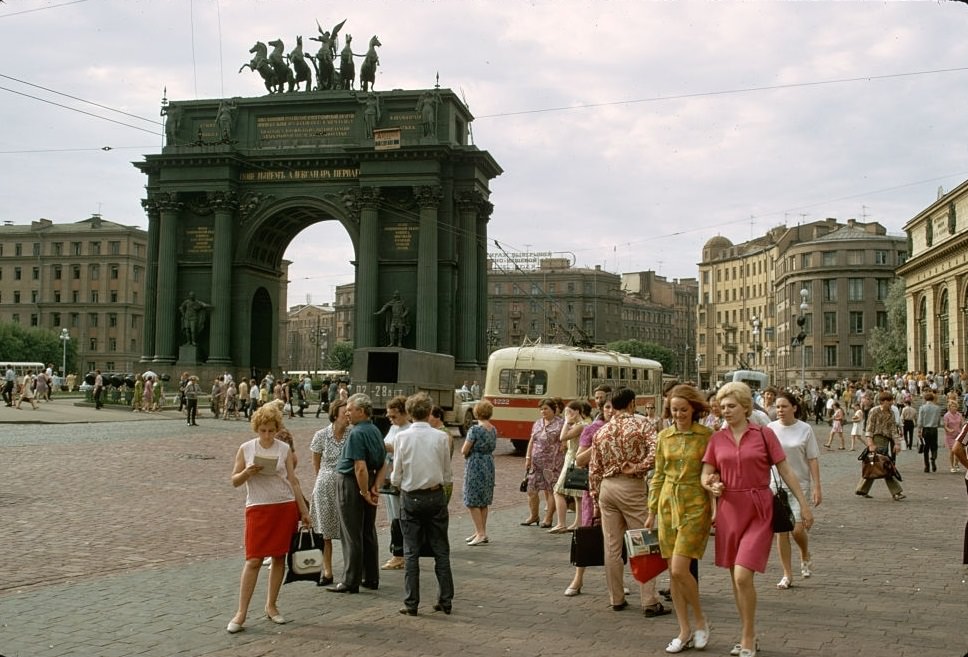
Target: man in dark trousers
(362, 465)
(421, 469)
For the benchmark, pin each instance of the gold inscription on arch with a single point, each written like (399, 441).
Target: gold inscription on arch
(300, 175)
(284, 130)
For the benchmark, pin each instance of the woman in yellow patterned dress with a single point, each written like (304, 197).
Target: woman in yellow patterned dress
(682, 510)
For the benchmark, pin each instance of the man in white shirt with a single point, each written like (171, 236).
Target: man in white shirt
(421, 469)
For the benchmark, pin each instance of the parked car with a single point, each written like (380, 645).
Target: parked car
(463, 413)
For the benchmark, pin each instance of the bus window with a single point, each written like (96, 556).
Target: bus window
(584, 381)
(523, 382)
(623, 374)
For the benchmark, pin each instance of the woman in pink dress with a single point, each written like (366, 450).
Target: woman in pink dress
(544, 460)
(736, 470)
(953, 420)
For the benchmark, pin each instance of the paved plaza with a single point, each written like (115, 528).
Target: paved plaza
(122, 536)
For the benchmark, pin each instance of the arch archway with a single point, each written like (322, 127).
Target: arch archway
(944, 334)
(923, 335)
(222, 208)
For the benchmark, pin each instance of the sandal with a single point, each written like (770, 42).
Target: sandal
(654, 610)
(784, 583)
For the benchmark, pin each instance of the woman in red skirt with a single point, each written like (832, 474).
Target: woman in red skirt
(274, 504)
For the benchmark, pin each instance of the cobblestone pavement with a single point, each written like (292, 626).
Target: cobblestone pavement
(123, 537)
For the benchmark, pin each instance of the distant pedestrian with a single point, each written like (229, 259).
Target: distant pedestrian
(953, 421)
(138, 400)
(882, 436)
(27, 391)
(9, 383)
(478, 449)
(149, 394)
(961, 453)
(192, 391)
(98, 390)
(929, 419)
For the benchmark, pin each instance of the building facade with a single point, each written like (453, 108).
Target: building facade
(309, 328)
(86, 277)
(798, 303)
(662, 312)
(936, 284)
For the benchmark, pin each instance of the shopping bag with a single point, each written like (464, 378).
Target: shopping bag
(587, 547)
(304, 562)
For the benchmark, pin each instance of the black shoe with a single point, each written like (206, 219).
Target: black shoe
(440, 607)
(622, 605)
(324, 581)
(862, 494)
(934, 466)
(927, 469)
(656, 609)
(343, 588)
(373, 586)
(408, 611)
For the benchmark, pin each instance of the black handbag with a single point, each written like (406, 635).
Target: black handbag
(576, 478)
(523, 487)
(304, 561)
(783, 520)
(587, 547)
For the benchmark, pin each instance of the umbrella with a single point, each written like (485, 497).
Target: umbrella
(151, 374)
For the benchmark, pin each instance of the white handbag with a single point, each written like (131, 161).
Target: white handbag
(307, 557)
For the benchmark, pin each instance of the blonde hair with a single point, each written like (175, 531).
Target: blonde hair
(270, 413)
(738, 391)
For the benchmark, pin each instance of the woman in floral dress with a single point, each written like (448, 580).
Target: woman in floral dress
(478, 449)
(326, 446)
(544, 460)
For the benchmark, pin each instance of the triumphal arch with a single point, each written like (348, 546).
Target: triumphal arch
(240, 178)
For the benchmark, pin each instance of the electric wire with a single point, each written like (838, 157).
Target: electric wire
(80, 111)
(30, 11)
(87, 102)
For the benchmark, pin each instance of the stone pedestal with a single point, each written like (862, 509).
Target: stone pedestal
(188, 355)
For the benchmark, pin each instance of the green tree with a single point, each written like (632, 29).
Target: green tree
(18, 343)
(887, 346)
(341, 356)
(666, 357)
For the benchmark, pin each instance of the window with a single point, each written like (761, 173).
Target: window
(114, 296)
(33, 296)
(92, 319)
(112, 346)
(76, 272)
(17, 274)
(856, 322)
(18, 249)
(57, 296)
(855, 289)
(523, 382)
(93, 344)
(829, 289)
(75, 320)
(75, 296)
(15, 318)
(881, 319)
(856, 355)
(115, 248)
(114, 271)
(57, 248)
(830, 323)
(112, 319)
(497, 286)
(94, 248)
(830, 356)
(55, 319)
(855, 257)
(34, 319)
(57, 272)
(94, 296)
(35, 273)
(805, 261)
(95, 272)
(75, 248)
(829, 258)
(109, 366)
(36, 248)
(882, 286)
(880, 257)
(16, 296)
(571, 286)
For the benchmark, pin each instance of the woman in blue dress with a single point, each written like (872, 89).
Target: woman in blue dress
(478, 449)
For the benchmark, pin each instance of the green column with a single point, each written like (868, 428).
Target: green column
(368, 267)
(428, 198)
(483, 216)
(151, 282)
(467, 289)
(166, 350)
(220, 340)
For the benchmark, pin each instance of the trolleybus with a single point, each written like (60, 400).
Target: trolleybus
(519, 377)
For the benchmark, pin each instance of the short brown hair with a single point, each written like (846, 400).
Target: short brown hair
(483, 410)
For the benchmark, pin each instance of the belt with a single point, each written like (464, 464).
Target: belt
(432, 489)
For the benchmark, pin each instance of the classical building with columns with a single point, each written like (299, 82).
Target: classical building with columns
(936, 284)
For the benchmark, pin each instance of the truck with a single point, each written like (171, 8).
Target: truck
(382, 373)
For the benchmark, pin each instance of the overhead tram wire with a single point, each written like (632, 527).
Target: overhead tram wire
(723, 92)
(80, 111)
(30, 11)
(81, 100)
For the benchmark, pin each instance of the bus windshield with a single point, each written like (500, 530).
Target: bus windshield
(523, 382)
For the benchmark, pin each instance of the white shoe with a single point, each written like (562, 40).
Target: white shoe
(700, 638)
(784, 583)
(234, 628)
(678, 645)
(571, 592)
(805, 568)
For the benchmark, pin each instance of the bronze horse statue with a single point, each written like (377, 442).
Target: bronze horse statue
(368, 67)
(302, 71)
(280, 68)
(260, 64)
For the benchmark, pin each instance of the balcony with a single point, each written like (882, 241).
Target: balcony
(730, 328)
(729, 348)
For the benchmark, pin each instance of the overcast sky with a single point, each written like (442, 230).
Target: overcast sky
(629, 132)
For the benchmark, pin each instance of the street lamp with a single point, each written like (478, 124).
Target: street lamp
(801, 322)
(756, 336)
(698, 375)
(65, 337)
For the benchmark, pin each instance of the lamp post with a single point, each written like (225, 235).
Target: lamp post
(319, 338)
(65, 337)
(698, 375)
(756, 336)
(801, 322)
